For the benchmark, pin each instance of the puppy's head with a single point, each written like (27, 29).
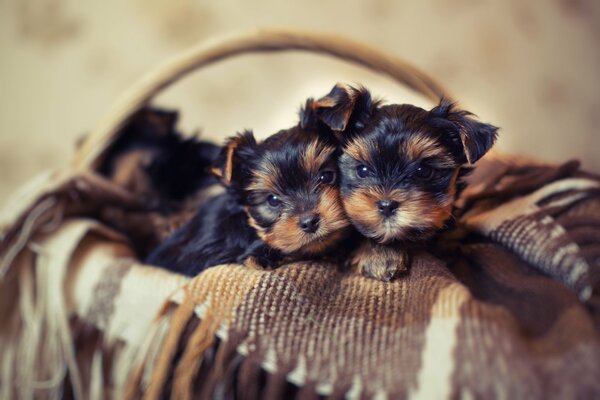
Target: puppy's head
(289, 186)
(401, 164)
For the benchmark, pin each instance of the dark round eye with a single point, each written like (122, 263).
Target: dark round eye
(362, 171)
(273, 200)
(327, 177)
(425, 172)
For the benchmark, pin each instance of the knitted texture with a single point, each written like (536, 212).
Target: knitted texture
(506, 305)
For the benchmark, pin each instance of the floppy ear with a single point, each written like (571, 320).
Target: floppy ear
(475, 138)
(344, 108)
(234, 156)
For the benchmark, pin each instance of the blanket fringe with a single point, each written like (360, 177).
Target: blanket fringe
(201, 340)
(179, 321)
(220, 379)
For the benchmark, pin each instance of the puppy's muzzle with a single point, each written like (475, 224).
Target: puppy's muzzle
(387, 208)
(309, 223)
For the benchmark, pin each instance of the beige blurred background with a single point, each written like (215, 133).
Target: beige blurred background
(530, 66)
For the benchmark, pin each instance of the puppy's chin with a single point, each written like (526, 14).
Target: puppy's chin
(321, 244)
(388, 232)
(413, 221)
(308, 244)
(286, 236)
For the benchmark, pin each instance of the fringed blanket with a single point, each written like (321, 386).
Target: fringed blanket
(506, 307)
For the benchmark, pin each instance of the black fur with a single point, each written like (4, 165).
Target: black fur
(220, 232)
(393, 194)
(387, 129)
(178, 166)
(472, 137)
(343, 111)
(387, 126)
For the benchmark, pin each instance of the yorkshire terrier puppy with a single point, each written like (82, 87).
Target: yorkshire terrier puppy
(167, 172)
(281, 203)
(400, 171)
(153, 160)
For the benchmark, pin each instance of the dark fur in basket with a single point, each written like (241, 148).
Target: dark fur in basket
(400, 170)
(281, 200)
(167, 172)
(152, 159)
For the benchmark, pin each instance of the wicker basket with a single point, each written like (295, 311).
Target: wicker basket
(43, 343)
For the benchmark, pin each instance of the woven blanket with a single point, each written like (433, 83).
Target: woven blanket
(506, 307)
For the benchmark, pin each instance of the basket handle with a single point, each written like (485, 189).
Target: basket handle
(90, 153)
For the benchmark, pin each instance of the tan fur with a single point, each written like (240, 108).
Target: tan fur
(252, 263)
(360, 207)
(358, 150)
(416, 210)
(324, 102)
(315, 156)
(379, 261)
(332, 214)
(323, 244)
(227, 171)
(287, 235)
(329, 102)
(453, 183)
(259, 229)
(421, 146)
(265, 178)
(217, 172)
(129, 173)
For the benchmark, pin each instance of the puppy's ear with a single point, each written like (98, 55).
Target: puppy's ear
(344, 108)
(234, 158)
(473, 137)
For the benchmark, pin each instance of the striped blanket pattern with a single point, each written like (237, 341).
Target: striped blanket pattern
(507, 307)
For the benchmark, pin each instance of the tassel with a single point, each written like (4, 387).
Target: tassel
(180, 319)
(201, 340)
(224, 368)
(249, 379)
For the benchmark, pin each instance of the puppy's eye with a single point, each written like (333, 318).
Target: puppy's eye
(425, 172)
(327, 177)
(273, 200)
(362, 171)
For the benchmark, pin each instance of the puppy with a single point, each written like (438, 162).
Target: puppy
(167, 172)
(153, 160)
(281, 203)
(400, 171)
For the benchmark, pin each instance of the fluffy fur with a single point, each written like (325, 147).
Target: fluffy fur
(153, 160)
(166, 171)
(400, 169)
(281, 202)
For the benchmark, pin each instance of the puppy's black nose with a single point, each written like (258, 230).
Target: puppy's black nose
(387, 207)
(309, 223)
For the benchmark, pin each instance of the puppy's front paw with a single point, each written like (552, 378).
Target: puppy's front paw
(260, 262)
(383, 271)
(252, 263)
(381, 262)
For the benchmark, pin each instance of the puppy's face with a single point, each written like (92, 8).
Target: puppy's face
(398, 177)
(400, 164)
(289, 185)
